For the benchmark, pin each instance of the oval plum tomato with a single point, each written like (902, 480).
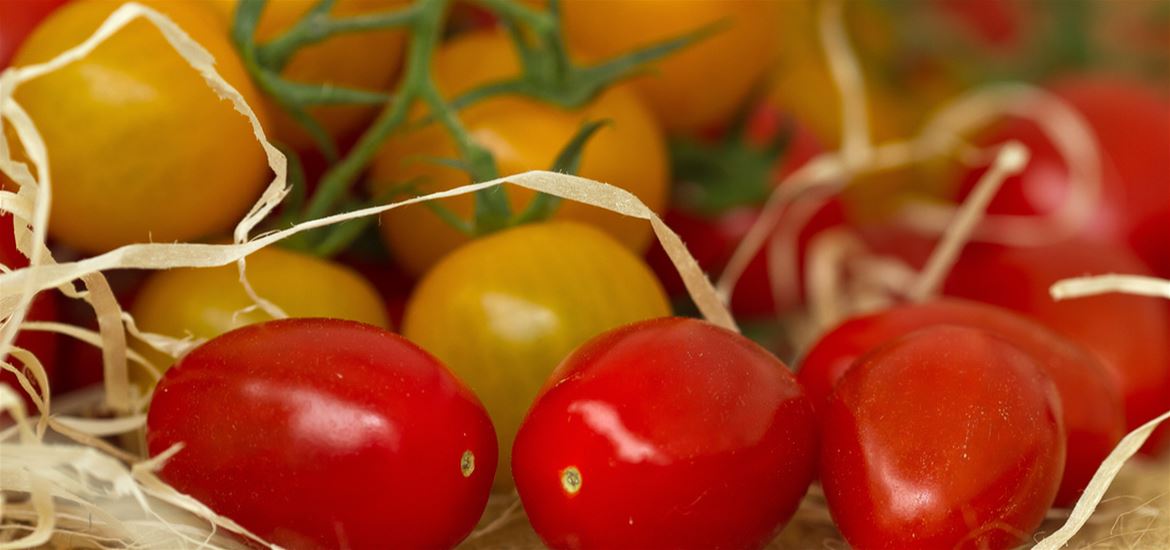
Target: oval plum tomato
(946, 438)
(1128, 333)
(1132, 125)
(700, 85)
(320, 433)
(20, 17)
(1093, 416)
(205, 303)
(669, 433)
(523, 134)
(366, 60)
(504, 310)
(42, 344)
(126, 165)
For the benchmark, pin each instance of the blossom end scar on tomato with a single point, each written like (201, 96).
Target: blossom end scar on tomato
(571, 480)
(467, 463)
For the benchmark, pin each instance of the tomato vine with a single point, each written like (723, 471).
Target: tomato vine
(548, 74)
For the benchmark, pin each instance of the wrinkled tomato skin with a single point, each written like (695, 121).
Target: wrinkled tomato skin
(1131, 125)
(946, 438)
(20, 18)
(325, 433)
(684, 435)
(42, 344)
(1093, 415)
(1128, 333)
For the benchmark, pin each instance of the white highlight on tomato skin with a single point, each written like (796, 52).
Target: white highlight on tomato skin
(320, 419)
(606, 421)
(518, 319)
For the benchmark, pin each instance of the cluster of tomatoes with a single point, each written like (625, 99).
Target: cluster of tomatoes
(543, 357)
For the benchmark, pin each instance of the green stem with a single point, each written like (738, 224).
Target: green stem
(318, 26)
(341, 176)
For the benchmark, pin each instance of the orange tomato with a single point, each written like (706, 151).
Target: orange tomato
(140, 148)
(504, 310)
(522, 134)
(362, 60)
(205, 303)
(696, 87)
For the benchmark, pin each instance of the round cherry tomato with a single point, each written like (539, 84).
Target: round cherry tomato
(40, 343)
(1132, 127)
(522, 134)
(1128, 333)
(319, 433)
(504, 310)
(1093, 415)
(20, 17)
(712, 234)
(126, 165)
(946, 438)
(669, 433)
(332, 61)
(680, 88)
(205, 303)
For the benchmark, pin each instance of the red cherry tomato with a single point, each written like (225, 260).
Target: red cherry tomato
(326, 433)
(40, 343)
(1093, 416)
(946, 438)
(668, 433)
(1130, 334)
(1132, 127)
(20, 18)
(712, 238)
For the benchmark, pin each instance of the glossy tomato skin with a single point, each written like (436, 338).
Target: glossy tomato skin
(1131, 124)
(522, 134)
(681, 435)
(126, 166)
(1128, 333)
(680, 88)
(946, 438)
(326, 433)
(367, 60)
(20, 18)
(42, 344)
(505, 309)
(1093, 414)
(205, 303)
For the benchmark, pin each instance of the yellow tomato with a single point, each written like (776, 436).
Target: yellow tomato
(362, 60)
(504, 310)
(140, 148)
(208, 302)
(523, 135)
(701, 85)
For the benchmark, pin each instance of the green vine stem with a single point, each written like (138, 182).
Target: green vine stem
(548, 74)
